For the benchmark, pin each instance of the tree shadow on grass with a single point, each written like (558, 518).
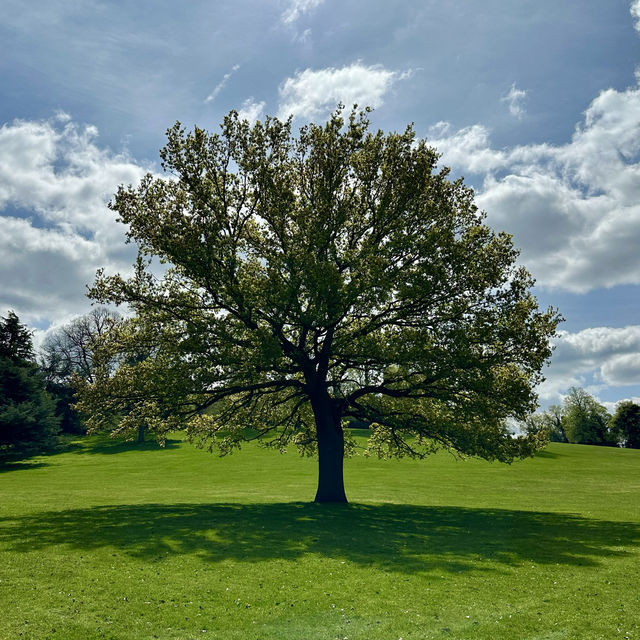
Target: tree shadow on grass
(15, 461)
(17, 465)
(109, 446)
(545, 453)
(399, 538)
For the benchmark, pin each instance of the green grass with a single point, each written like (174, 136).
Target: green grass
(123, 541)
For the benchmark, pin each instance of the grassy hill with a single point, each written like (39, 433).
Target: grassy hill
(123, 541)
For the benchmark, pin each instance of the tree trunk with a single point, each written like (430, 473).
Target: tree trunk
(140, 434)
(330, 451)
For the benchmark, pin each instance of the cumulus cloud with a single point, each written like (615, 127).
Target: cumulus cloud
(574, 209)
(635, 12)
(622, 370)
(612, 406)
(311, 94)
(515, 99)
(297, 8)
(44, 271)
(597, 357)
(251, 110)
(55, 229)
(222, 84)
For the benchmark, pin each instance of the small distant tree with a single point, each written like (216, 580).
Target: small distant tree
(553, 420)
(125, 347)
(27, 412)
(548, 424)
(70, 350)
(625, 424)
(534, 424)
(68, 353)
(584, 420)
(315, 278)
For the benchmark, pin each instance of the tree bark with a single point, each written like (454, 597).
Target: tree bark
(330, 451)
(140, 434)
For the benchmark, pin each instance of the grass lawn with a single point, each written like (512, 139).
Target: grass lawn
(128, 541)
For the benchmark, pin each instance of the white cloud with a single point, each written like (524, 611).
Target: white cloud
(635, 12)
(611, 406)
(622, 370)
(297, 8)
(221, 85)
(514, 100)
(43, 272)
(597, 357)
(251, 110)
(311, 94)
(574, 209)
(60, 173)
(598, 343)
(55, 229)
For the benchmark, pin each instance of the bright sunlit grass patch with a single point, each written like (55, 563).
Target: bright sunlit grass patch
(129, 541)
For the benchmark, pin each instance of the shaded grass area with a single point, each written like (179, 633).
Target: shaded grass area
(19, 465)
(401, 538)
(126, 541)
(107, 446)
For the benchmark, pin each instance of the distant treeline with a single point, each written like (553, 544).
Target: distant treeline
(581, 419)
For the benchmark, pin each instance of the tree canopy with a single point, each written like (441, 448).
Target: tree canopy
(312, 278)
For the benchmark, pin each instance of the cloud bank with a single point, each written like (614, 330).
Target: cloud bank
(574, 209)
(597, 357)
(55, 228)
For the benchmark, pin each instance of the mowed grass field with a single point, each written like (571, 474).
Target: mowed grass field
(123, 541)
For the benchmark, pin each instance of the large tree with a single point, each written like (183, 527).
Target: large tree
(313, 278)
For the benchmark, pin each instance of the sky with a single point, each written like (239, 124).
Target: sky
(536, 103)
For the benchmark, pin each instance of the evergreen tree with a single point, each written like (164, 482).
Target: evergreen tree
(27, 411)
(15, 339)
